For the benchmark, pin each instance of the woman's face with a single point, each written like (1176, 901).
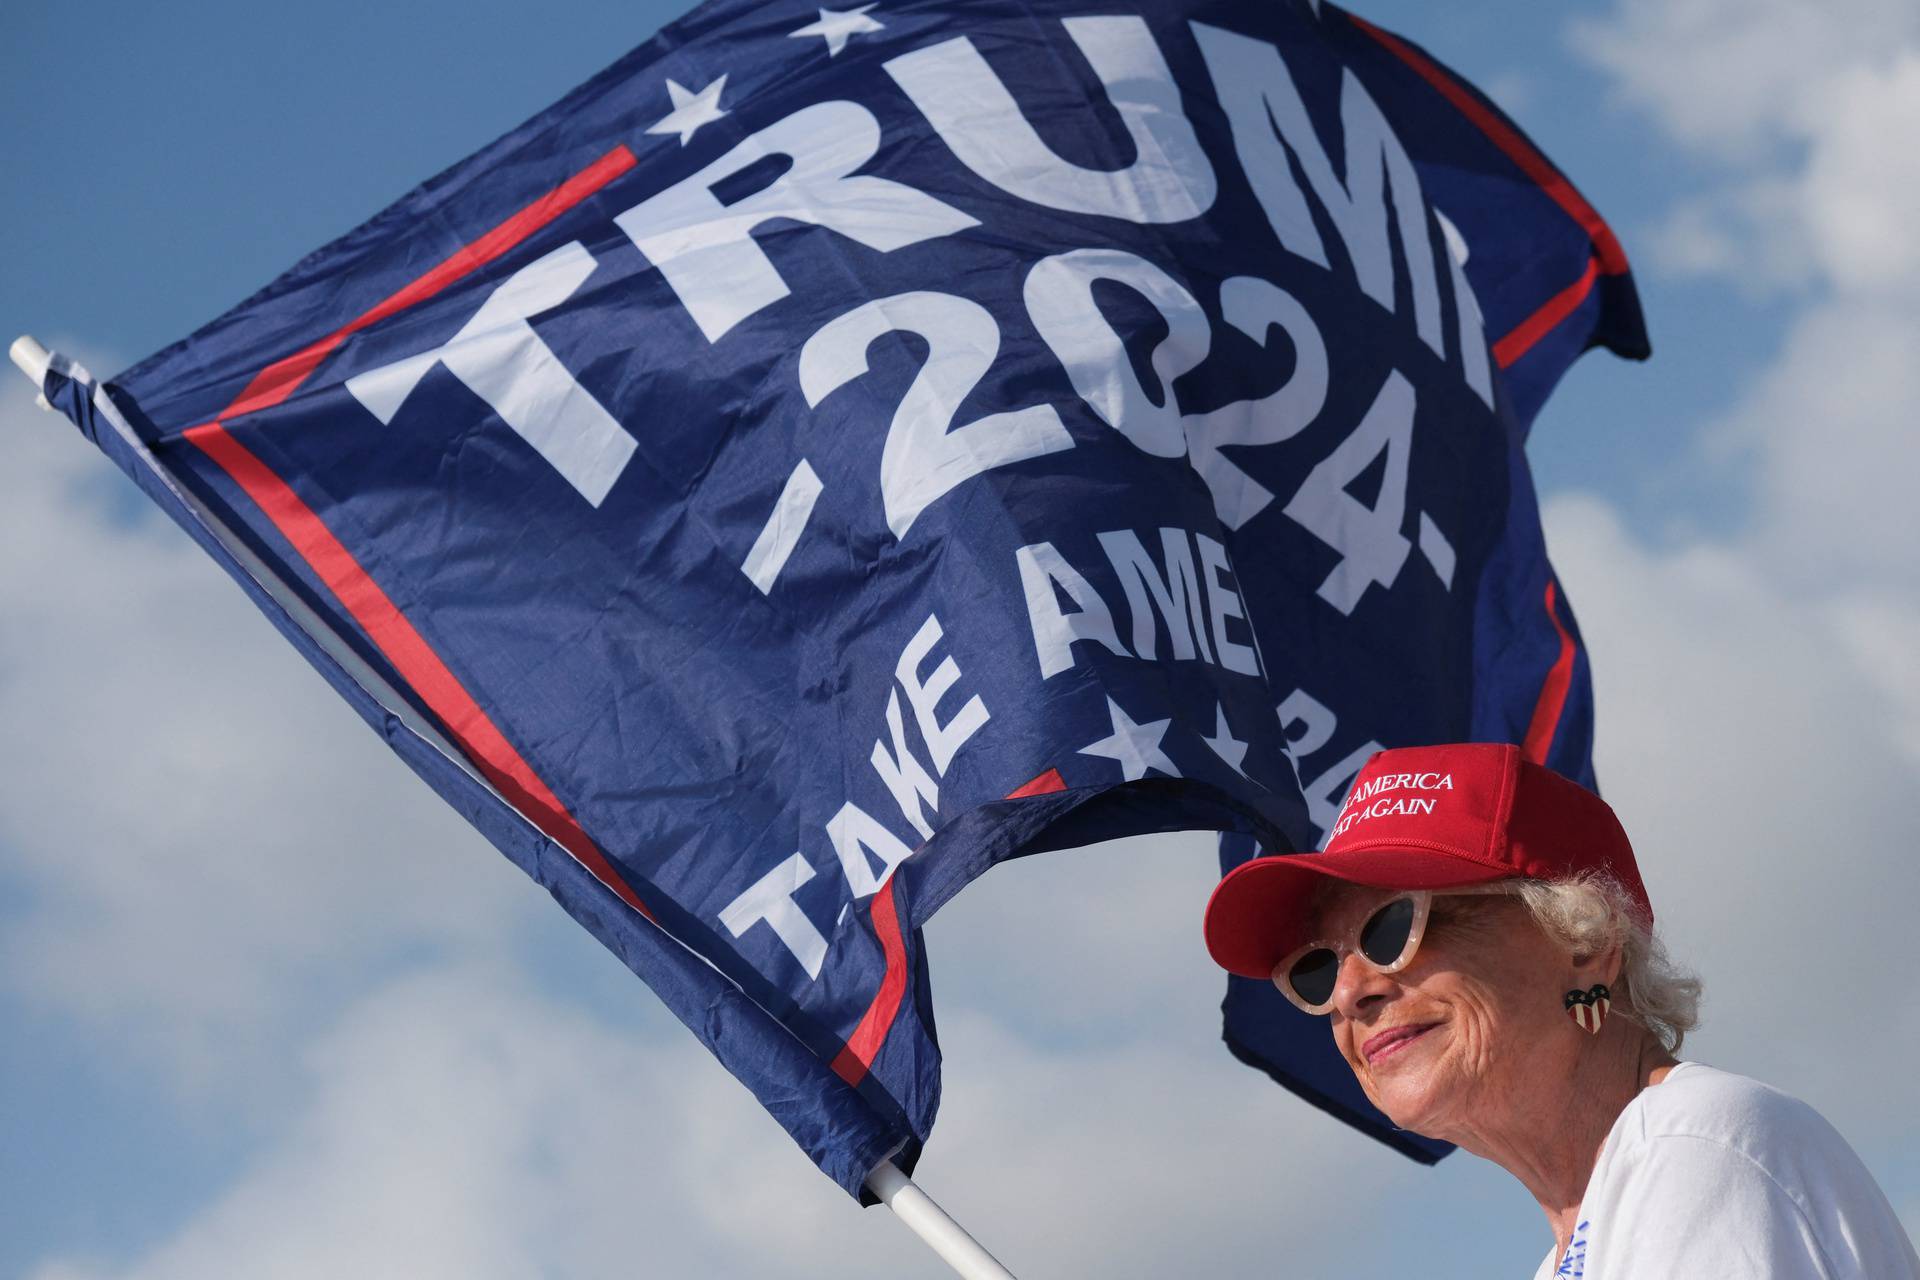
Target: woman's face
(1470, 1029)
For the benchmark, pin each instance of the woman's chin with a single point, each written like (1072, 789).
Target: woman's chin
(1413, 1097)
(1423, 1120)
(1406, 1077)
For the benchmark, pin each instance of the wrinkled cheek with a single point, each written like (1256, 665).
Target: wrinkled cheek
(1483, 1042)
(1474, 1054)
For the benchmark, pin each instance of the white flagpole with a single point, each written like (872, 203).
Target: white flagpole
(930, 1222)
(33, 360)
(909, 1203)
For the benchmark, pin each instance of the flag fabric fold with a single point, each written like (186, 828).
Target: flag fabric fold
(830, 453)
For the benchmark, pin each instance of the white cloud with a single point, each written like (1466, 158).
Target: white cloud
(1805, 117)
(1762, 775)
(1746, 232)
(205, 838)
(1735, 77)
(454, 1124)
(1804, 114)
(1861, 187)
(1881, 635)
(1759, 712)
(1830, 427)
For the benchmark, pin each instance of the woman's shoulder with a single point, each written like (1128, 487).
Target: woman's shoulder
(1724, 1165)
(1784, 1137)
(1696, 1100)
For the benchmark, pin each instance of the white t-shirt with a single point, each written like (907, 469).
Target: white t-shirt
(1712, 1176)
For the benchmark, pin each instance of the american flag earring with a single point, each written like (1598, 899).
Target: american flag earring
(1589, 1008)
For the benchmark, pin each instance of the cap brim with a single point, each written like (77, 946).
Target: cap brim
(1260, 911)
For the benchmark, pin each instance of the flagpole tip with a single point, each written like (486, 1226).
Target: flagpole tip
(32, 358)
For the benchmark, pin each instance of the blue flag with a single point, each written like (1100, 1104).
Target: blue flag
(831, 452)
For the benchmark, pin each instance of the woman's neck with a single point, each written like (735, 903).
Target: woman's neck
(1552, 1141)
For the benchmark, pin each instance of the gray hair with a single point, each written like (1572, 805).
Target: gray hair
(1591, 913)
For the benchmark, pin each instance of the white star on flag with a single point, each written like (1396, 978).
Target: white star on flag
(1135, 746)
(690, 109)
(836, 26)
(1224, 744)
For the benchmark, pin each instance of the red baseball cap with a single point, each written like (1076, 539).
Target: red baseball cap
(1424, 818)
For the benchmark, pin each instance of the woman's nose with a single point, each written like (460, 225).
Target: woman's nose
(1359, 986)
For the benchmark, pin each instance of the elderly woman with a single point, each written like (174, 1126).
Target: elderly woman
(1479, 938)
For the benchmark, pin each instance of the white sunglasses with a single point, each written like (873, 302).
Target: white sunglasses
(1386, 940)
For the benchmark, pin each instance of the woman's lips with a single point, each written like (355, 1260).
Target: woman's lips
(1393, 1040)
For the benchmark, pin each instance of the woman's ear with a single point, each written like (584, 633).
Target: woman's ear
(1605, 967)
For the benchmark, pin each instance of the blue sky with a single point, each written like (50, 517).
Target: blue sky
(269, 1010)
